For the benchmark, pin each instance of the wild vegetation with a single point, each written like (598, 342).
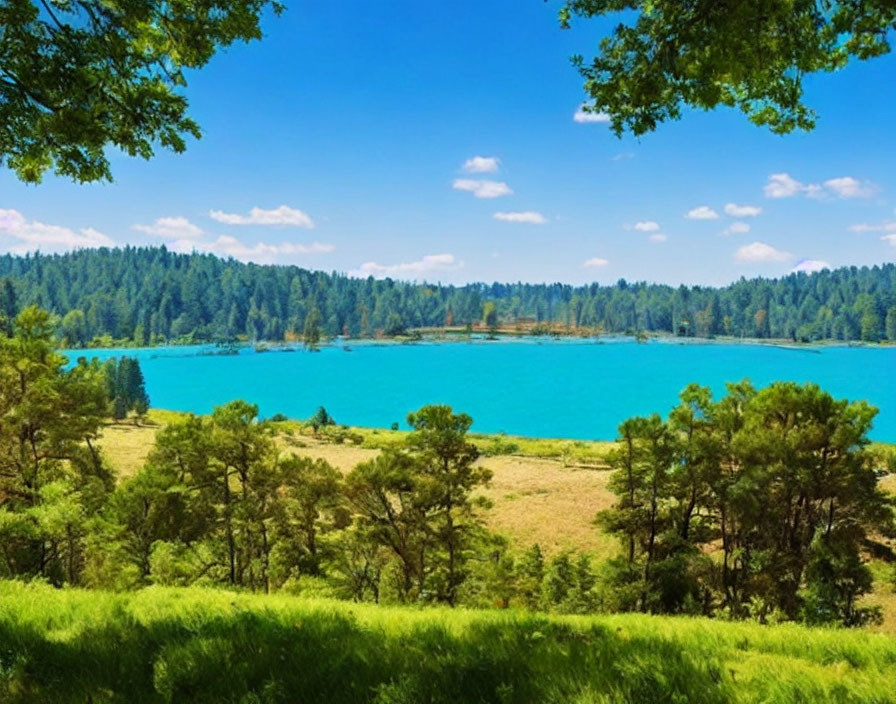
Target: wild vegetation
(151, 295)
(202, 645)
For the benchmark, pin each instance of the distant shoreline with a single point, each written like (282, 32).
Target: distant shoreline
(456, 336)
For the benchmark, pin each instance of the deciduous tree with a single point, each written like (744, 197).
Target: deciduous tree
(665, 55)
(80, 76)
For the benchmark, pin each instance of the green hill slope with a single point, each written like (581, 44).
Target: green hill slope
(193, 645)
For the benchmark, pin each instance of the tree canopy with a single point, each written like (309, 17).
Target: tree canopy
(761, 504)
(79, 76)
(668, 54)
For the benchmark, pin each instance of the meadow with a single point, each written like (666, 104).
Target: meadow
(196, 645)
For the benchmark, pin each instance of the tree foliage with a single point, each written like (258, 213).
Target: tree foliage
(418, 504)
(125, 387)
(752, 56)
(777, 482)
(217, 503)
(52, 478)
(80, 76)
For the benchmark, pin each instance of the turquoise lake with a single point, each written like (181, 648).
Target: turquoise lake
(566, 389)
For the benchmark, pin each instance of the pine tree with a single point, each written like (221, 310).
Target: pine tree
(311, 333)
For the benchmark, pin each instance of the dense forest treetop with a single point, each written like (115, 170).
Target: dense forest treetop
(152, 295)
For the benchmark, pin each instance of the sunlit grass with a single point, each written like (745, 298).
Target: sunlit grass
(197, 645)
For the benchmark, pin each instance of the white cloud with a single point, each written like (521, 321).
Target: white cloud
(658, 237)
(596, 262)
(428, 263)
(18, 236)
(810, 266)
(742, 211)
(890, 238)
(736, 228)
(284, 215)
(622, 156)
(784, 186)
(646, 226)
(261, 252)
(172, 227)
(703, 212)
(757, 252)
(584, 116)
(848, 187)
(865, 227)
(482, 164)
(527, 216)
(482, 189)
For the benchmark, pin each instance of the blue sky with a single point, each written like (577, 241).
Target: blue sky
(339, 142)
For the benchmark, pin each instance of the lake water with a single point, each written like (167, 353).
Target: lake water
(568, 389)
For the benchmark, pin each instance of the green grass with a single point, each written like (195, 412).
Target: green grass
(572, 452)
(195, 645)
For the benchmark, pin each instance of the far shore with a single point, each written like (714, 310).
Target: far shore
(480, 334)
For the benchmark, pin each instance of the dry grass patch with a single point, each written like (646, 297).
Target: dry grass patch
(342, 457)
(541, 501)
(533, 500)
(126, 446)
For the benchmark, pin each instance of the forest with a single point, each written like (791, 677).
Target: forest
(151, 295)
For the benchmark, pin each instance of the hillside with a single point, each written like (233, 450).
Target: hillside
(189, 644)
(151, 295)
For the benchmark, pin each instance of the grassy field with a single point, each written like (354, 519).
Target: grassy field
(210, 646)
(543, 491)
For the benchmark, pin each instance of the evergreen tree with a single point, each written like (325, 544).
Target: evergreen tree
(891, 324)
(8, 306)
(311, 334)
(778, 479)
(52, 478)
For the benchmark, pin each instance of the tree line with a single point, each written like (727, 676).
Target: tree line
(151, 295)
(763, 504)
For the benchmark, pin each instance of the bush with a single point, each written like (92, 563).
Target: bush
(498, 445)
